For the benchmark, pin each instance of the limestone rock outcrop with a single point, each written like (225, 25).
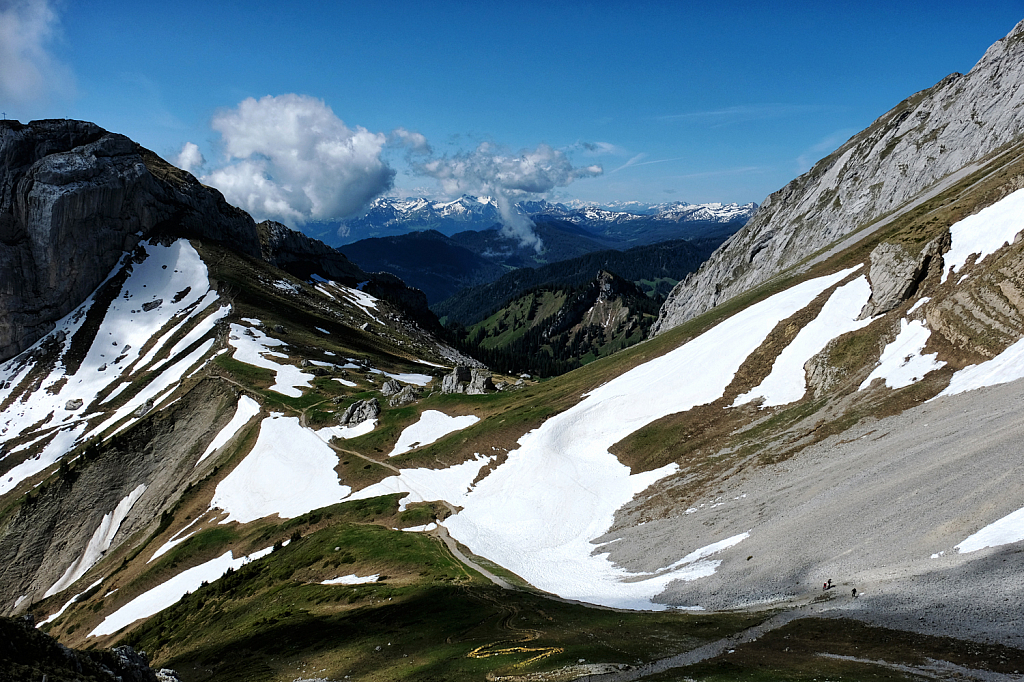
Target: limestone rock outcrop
(406, 396)
(895, 274)
(360, 411)
(923, 144)
(390, 388)
(73, 199)
(468, 380)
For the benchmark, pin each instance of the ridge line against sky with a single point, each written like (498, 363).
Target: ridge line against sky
(306, 112)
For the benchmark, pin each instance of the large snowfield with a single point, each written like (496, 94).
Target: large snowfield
(166, 290)
(539, 512)
(289, 472)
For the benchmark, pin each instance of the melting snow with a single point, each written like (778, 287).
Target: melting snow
(421, 529)
(417, 379)
(345, 382)
(1006, 367)
(423, 485)
(1008, 529)
(786, 383)
(197, 332)
(903, 361)
(173, 278)
(537, 513)
(289, 472)
(252, 347)
(344, 432)
(54, 450)
(167, 593)
(917, 305)
(155, 390)
(431, 426)
(68, 603)
(247, 409)
(984, 232)
(352, 579)
(99, 543)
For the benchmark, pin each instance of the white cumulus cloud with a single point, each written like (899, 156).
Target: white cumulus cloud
(508, 178)
(414, 142)
(290, 158)
(28, 72)
(190, 158)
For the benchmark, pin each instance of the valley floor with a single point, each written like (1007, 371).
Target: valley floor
(883, 508)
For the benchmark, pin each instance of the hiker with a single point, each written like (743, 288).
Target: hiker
(827, 586)
(855, 593)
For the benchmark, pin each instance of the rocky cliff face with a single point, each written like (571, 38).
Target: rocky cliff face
(73, 199)
(923, 143)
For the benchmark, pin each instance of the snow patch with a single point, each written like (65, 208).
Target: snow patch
(253, 347)
(417, 379)
(352, 579)
(165, 594)
(99, 543)
(984, 232)
(289, 472)
(246, 409)
(431, 426)
(344, 432)
(425, 485)
(787, 383)
(1006, 367)
(1008, 529)
(68, 603)
(903, 361)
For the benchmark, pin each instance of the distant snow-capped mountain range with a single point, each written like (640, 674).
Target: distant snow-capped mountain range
(391, 215)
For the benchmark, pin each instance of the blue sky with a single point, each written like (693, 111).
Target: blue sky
(600, 101)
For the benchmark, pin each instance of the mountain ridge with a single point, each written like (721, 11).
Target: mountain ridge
(928, 137)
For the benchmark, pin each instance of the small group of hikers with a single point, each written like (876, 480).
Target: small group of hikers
(828, 586)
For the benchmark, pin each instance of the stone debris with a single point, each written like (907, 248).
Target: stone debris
(468, 380)
(360, 411)
(390, 388)
(407, 395)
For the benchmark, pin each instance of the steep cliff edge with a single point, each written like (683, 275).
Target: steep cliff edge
(922, 144)
(73, 199)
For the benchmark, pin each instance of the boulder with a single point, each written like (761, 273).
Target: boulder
(895, 274)
(480, 382)
(407, 395)
(456, 381)
(143, 409)
(360, 411)
(73, 404)
(390, 388)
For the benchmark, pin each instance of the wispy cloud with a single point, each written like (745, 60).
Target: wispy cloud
(823, 148)
(638, 161)
(508, 177)
(746, 113)
(728, 171)
(29, 73)
(600, 149)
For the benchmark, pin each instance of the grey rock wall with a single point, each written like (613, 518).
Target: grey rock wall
(73, 199)
(923, 140)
